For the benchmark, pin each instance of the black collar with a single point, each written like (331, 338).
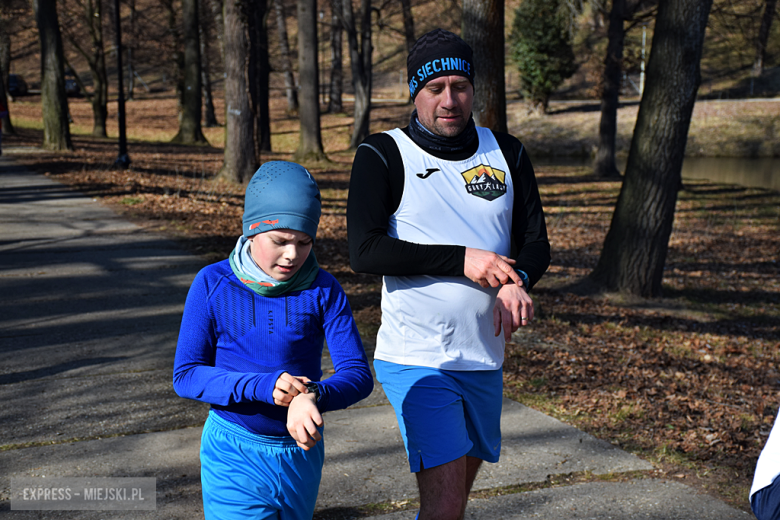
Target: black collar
(466, 141)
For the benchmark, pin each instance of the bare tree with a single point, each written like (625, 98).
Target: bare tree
(360, 62)
(634, 253)
(176, 52)
(763, 36)
(90, 18)
(604, 163)
(258, 68)
(240, 162)
(5, 121)
(56, 132)
(210, 117)
(289, 79)
(130, 46)
(483, 29)
(622, 10)
(406, 9)
(189, 118)
(310, 142)
(216, 8)
(5, 64)
(336, 89)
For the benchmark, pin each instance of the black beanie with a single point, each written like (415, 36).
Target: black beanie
(438, 53)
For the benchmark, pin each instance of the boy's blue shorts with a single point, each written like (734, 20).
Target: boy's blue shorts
(766, 502)
(444, 414)
(245, 475)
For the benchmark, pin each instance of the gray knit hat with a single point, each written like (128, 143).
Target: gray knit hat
(282, 195)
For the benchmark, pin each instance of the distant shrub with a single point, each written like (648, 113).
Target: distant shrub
(542, 49)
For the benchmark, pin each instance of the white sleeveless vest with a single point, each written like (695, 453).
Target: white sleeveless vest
(446, 322)
(768, 465)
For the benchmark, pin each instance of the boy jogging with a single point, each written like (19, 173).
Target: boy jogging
(251, 343)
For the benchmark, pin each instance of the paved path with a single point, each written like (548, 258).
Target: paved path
(88, 324)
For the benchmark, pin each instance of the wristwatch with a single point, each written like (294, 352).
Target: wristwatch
(524, 278)
(314, 388)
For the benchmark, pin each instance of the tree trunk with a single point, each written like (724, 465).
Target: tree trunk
(604, 163)
(483, 29)
(406, 8)
(634, 253)
(240, 163)
(289, 78)
(178, 57)
(5, 45)
(258, 68)
(216, 11)
(5, 121)
(130, 47)
(5, 64)
(763, 37)
(310, 142)
(336, 90)
(190, 131)
(56, 132)
(92, 20)
(210, 117)
(97, 66)
(99, 93)
(360, 62)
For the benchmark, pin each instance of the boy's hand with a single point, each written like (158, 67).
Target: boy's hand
(303, 419)
(287, 387)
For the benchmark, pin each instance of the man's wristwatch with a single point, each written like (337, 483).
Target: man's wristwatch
(524, 278)
(314, 388)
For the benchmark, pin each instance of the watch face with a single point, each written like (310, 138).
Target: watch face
(315, 389)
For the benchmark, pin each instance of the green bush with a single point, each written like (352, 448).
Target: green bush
(542, 49)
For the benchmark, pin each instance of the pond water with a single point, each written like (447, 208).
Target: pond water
(752, 172)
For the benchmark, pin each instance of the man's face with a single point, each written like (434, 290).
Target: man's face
(280, 253)
(444, 105)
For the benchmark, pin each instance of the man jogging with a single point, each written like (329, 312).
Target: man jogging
(450, 215)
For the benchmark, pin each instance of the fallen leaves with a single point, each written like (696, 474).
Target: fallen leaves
(693, 375)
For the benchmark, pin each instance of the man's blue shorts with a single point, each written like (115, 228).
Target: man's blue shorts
(245, 475)
(766, 502)
(444, 414)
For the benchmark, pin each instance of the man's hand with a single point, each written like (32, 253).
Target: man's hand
(303, 419)
(287, 387)
(489, 269)
(513, 309)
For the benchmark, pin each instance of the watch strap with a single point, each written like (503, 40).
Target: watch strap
(315, 389)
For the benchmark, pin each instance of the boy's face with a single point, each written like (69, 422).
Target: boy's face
(280, 253)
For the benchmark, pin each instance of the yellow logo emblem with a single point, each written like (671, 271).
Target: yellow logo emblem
(485, 182)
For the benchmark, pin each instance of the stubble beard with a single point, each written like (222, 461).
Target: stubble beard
(445, 130)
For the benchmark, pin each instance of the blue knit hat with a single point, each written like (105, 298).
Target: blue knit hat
(281, 195)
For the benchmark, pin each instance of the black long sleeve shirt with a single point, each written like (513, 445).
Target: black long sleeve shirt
(375, 190)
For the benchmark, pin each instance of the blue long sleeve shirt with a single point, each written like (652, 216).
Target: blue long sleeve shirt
(234, 344)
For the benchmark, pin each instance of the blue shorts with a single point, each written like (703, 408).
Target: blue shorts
(766, 502)
(444, 414)
(245, 475)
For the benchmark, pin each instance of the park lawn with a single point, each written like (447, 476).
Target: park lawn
(689, 381)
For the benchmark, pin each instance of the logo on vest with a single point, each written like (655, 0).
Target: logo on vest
(485, 182)
(428, 172)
